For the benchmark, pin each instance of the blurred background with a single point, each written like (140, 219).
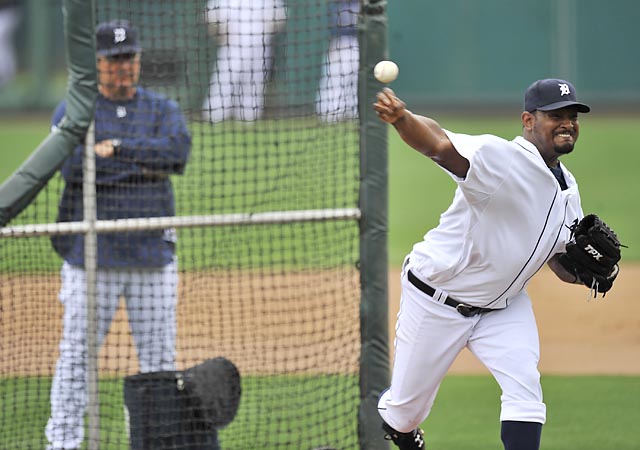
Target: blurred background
(464, 54)
(455, 57)
(484, 53)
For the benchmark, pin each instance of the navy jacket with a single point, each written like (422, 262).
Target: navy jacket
(155, 143)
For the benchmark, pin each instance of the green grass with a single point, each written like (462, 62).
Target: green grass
(276, 412)
(19, 138)
(604, 163)
(583, 412)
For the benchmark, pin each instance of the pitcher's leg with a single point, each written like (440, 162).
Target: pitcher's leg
(521, 435)
(507, 343)
(429, 336)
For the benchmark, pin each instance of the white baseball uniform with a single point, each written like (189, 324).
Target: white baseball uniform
(337, 97)
(508, 217)
(9, 18)
(245, 29)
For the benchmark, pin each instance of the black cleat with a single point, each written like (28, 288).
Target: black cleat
(414, 440)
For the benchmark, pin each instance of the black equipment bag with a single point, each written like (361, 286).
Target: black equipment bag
(164, 413)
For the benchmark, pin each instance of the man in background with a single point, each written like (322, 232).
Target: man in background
(141, 139)
(464, 284)
(244, 30)
(338, 90)
(9, 18)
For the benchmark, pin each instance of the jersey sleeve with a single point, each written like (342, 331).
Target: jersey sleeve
(489, 159)
(71, 168)
(58, 114)
(168, 150)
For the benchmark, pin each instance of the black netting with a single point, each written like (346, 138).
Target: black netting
(252, 119)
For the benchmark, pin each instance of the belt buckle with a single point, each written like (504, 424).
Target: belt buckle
(465, 310)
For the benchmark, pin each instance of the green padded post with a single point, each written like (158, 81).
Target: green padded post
(28, 180)
(374, 363)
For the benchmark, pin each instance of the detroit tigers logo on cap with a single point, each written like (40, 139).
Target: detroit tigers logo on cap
(119, 35)
(564, 89)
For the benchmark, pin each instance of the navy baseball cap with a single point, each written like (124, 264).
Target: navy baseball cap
(116, 37)
(550, 94)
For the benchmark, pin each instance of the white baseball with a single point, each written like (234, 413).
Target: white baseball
(386, 71)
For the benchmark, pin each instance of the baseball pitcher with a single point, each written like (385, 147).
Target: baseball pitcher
(516, 207)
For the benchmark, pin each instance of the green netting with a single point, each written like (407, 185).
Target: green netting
(282, 301)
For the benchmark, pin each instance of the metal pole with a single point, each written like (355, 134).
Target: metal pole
(90, 266)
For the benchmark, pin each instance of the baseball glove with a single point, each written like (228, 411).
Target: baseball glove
(592, 254)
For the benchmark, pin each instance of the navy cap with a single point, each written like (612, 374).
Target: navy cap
(550, 94)
(116, 37)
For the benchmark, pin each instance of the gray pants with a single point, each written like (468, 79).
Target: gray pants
(151, 297)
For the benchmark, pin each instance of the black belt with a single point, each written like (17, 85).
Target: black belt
(462, 308)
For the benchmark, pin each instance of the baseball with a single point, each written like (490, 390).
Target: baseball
(386, 71)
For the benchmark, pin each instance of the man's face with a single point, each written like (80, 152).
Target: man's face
(553, 132)
(118, 75)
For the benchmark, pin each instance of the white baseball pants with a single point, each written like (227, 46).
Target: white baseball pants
(151, 296)
(338, 89)
(430, 335)
(8, 60)
(237, 85)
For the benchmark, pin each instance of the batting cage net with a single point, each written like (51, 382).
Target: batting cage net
(190, 276)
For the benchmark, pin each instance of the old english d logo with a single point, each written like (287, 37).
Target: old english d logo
(119, 35)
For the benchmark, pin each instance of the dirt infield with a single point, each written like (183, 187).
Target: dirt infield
(303, 322)
(577, 336)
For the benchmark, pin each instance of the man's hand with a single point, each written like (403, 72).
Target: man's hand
(106, 148)
(561, 272)
(421, 133)
(389, 108)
